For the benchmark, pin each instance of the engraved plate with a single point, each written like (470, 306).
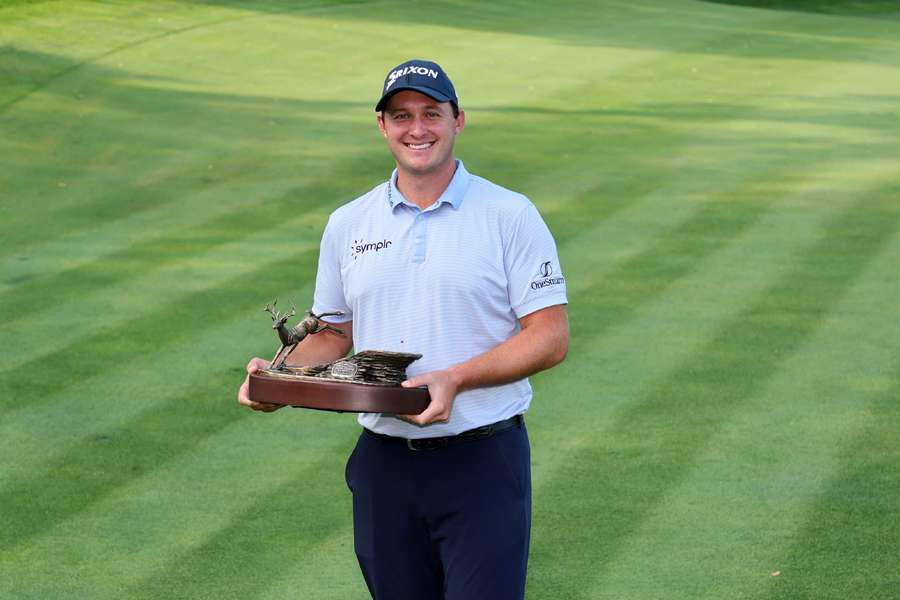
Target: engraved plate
(344, 369)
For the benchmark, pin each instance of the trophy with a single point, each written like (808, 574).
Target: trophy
(365, 382)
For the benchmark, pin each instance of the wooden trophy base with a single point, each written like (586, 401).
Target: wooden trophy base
(338, 396)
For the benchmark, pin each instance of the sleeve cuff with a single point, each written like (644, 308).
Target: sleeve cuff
(538, 303)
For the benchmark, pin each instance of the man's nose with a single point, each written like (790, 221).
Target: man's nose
(417, 127)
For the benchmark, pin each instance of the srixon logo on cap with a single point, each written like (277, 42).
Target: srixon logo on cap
(395, 75)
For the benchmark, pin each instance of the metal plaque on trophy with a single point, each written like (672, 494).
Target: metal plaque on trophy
(365, 382)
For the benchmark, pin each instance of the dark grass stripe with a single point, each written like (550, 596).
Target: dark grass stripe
(654, 444)
(852, 534)
(276, 531)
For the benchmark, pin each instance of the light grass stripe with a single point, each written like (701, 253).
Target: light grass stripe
(771, 460)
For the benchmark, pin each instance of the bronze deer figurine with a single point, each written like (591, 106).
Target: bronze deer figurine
(291, 336)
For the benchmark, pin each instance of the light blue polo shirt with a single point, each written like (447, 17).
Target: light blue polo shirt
(449, 282)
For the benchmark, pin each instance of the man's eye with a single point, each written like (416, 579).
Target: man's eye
(400, 116)
(434, 115)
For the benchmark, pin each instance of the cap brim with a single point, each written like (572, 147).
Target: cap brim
(433, 94)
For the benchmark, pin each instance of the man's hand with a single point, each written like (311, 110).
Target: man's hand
(255, 365)
(442, 387)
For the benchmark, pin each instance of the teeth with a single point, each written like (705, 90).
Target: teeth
(420, 146)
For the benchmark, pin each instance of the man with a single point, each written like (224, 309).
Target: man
(446, 264)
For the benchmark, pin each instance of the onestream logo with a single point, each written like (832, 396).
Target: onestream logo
(360, 247)
(545, 278)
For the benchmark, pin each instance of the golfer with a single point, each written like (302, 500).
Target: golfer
(441, 262)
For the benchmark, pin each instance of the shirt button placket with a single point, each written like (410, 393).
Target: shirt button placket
(419, 238)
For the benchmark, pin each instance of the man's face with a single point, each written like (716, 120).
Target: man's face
(420, 131)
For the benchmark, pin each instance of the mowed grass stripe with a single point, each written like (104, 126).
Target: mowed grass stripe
(653, 443)
(258, 468)
(753, 486)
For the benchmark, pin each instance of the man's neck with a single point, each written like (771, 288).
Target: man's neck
(424, 190)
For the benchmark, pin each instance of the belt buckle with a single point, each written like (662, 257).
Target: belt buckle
(420, 444)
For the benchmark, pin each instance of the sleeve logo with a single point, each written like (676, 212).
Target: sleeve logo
(545, 277)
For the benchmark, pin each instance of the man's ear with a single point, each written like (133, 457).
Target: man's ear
(379, 118)
(460, 120)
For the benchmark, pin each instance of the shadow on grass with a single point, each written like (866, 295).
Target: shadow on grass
(647, 24)
(852, 8)
(858, 111)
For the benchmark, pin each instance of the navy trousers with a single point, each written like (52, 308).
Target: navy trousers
(447, 523)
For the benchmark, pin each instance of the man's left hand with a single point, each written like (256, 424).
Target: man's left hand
(442, 387)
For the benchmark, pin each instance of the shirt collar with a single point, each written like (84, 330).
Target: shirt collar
(453, 194)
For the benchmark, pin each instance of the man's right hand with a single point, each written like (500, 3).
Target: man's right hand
(255, 364)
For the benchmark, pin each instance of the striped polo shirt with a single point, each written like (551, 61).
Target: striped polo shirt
(449, 282)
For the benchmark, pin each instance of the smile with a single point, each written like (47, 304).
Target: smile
(420, 146)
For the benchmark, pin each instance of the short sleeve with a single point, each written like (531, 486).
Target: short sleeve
(534, 275)
(329, 294)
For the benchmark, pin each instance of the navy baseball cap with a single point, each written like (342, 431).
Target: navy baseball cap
(421, 76)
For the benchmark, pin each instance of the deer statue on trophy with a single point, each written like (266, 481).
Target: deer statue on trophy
(291, 336)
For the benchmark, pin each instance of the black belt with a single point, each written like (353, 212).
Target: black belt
(434, 443)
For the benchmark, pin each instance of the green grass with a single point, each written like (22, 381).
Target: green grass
(722, 180)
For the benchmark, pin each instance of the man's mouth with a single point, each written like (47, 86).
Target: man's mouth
(420, 146)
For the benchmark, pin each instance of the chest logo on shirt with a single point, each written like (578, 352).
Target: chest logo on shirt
(360, 247)
(545, 277)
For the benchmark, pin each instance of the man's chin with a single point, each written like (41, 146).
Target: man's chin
(421, 168)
